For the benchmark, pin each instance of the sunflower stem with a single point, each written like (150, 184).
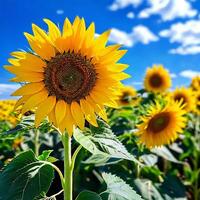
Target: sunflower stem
(68, 170)
(36, 142)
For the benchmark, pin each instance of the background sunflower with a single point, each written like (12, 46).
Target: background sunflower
(157, 79)
(161, 125)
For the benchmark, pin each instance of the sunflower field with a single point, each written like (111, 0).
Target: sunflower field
(75, 131)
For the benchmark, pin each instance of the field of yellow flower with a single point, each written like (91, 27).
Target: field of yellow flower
(77, 132)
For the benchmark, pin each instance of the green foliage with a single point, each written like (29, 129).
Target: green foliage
(117, 189)
(25, 178)
(103, 144)
(88, 195)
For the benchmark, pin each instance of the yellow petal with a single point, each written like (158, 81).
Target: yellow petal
(44, 109)
(77, 114)
(88, 111)
(52, 117)
(35, 100)
(67, 28)
(28, 77)
(18, 54)
(21, 101)
(54, 31)
(43, 49)
(60, 110)
(28, 89)
(98, 108)
(68, 122)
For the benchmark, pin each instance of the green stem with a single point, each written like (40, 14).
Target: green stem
(68, 171)
(196, 160)
(36, 141)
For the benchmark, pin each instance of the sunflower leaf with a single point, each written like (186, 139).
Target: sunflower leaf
(147, 189)
(101, 142)
(88, 195)
(25, 178)
(117, 189)
(165, 153)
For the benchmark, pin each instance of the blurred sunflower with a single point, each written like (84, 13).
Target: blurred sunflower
(128, 96)
(161, 125)
(6, 111)
(70, 76)
(185, 96)
(197, 103)
(195, 84)
(157, 79)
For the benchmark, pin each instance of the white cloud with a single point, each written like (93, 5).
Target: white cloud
(189, 73)
(59, 12)
(139, 34)
(137, 83)
(186, 34)
(120, 4)
(173, 75)
(130, 15)
(168, 9)
(7, 89)
(120, 37)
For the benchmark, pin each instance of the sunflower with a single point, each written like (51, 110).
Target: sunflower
(185, 96)
(162, 124)
(128, 96)
(6, 111)
(195, 84)
(197, 103)
(157, 79)
(69, 76)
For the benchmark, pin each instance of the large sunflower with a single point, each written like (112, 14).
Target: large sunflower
(161, 125)
(185, 96)
(195, 84)
(157, 79)
(70, 75)
(128, 96)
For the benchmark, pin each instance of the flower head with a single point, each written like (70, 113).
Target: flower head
(70, 75)
(185, 96)
(157, 79)
(195, 84)
(161, 125)
(128, 96)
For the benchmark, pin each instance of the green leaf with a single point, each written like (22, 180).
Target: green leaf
(45, 155)
(172, 188)
(118, 189)
(88, 195)
(165, 153)
(102, 142)
(25, 178)
(147, 189)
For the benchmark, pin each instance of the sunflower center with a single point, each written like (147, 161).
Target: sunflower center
(159, 122)
(180, 97)
(156, 80)
(69, 76)
(126, 97)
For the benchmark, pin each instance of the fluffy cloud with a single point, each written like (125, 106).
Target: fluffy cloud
(173, 75)
(120, 4)
(186, 34)
(139, 34)
(7, 89)
(59, 12)
(189, 73)
(130, 15)
(169, 9)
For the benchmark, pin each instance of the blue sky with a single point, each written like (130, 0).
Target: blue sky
(154, 32)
